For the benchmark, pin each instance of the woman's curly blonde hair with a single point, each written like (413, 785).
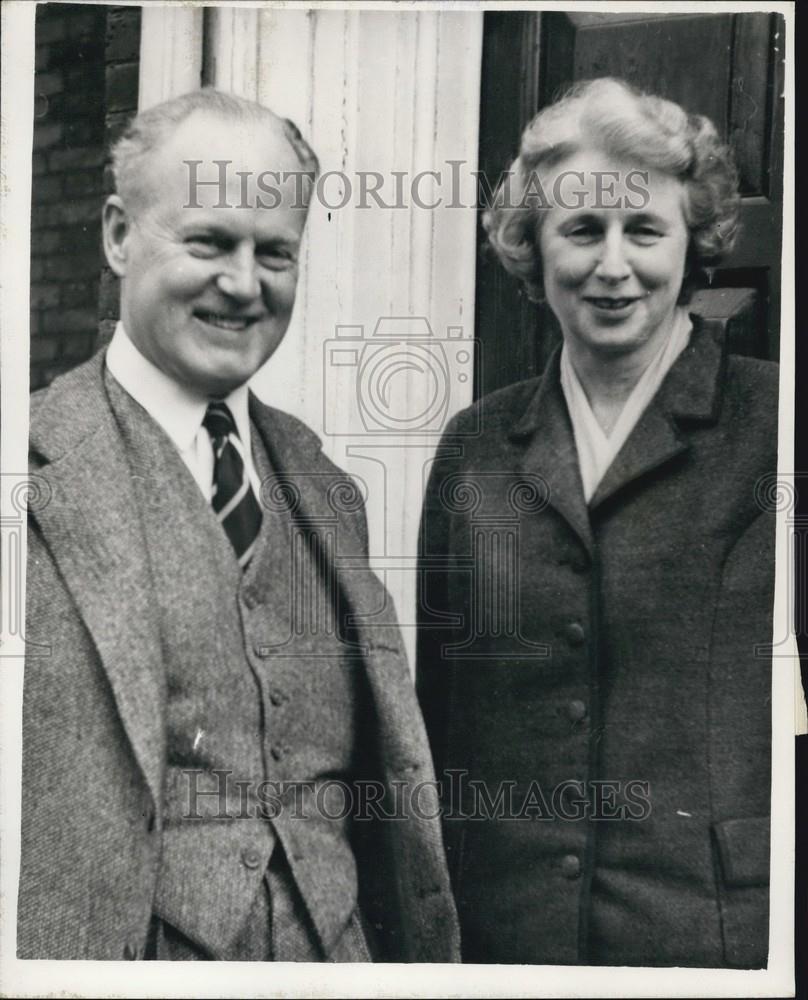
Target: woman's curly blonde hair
(609, 115)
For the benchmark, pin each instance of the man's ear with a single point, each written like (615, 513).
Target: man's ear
(117, 225)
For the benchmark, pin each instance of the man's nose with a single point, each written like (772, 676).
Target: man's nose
(613, 265)
(239, 278)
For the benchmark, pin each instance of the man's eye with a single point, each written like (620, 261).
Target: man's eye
(276, 259)
(203, 246)
(583, 234)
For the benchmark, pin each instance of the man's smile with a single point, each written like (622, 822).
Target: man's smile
(224, 321)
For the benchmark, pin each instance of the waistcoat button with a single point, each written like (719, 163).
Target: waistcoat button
(276, 696)
(576, 710)
(250, 858)
(278, 752)
(575, 634)
(570, 866)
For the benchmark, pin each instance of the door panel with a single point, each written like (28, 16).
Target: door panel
(645, 49)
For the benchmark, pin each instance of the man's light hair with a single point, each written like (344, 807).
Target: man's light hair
(149, 129)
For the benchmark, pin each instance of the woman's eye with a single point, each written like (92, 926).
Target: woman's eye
(646, 234)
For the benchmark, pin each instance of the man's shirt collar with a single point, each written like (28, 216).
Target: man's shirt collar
(174, 407)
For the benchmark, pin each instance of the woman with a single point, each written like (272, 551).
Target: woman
(598, 571)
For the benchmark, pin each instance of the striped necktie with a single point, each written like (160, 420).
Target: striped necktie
(232, 499)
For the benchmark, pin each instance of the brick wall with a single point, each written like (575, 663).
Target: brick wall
(122, 65)
(85, 89)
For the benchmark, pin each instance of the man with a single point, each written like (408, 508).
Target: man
(225, 672)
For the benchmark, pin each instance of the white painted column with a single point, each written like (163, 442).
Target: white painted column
(170, 52)
(233, 51)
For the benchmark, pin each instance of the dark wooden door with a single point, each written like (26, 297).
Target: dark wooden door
(726, 66)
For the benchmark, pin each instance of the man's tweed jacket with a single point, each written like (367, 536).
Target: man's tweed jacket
(567, 645)
(94, 740)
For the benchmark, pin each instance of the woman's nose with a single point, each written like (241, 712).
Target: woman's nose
(613, 265)
(239, 279)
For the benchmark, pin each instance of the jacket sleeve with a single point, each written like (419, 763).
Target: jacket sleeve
(742, 655)
(439, 623)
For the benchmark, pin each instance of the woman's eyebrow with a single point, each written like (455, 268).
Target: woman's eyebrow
(648, 217)
(581, 215)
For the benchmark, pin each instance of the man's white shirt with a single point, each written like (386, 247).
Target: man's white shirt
(178, 411)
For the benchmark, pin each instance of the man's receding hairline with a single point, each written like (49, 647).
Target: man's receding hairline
(264, 120)
(135, 198)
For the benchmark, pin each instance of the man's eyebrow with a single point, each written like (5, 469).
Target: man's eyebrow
(288, 238)
(191, 227)
(196, 225)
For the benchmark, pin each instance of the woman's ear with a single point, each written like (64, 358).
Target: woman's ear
(116, 226)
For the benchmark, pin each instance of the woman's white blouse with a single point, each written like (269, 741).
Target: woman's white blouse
(597, 450)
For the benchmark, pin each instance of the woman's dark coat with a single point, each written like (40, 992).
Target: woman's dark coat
(597, 681)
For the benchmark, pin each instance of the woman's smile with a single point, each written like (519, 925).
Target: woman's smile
(612, 309)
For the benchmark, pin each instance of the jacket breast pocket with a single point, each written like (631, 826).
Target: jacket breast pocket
(742, 848)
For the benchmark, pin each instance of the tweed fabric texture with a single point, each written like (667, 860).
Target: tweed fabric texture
(234, 718)
(214, 712)
(95, 728)
(629, 657)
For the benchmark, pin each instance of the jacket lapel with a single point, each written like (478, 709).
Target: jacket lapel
(325, 499)
(549, 451)
(688, 394)
(654, 441)
(320, 490)
(92, 529)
